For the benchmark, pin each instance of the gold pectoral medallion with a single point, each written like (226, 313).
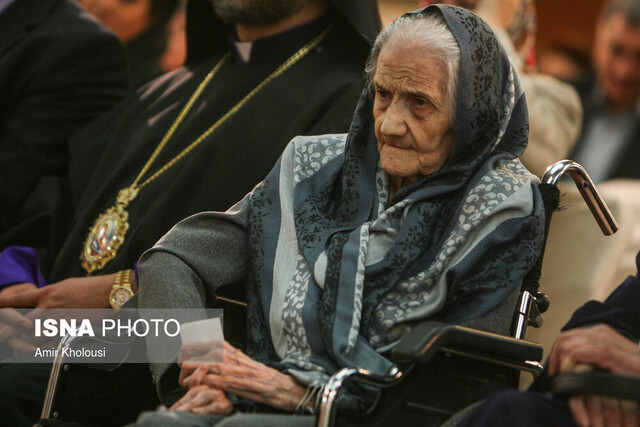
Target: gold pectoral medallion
(106, 236)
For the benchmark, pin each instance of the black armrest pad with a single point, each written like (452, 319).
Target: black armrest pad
(427, 338)
(600, 383)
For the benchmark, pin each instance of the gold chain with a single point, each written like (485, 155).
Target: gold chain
(284, 67)
(109, 230)
(174, 126)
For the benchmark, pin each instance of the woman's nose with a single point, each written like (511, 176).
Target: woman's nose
(394, 123)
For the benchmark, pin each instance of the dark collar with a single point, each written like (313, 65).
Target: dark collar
(281, 45)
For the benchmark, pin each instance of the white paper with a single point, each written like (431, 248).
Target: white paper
(202, 341)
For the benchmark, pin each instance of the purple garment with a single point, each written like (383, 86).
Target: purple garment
(135, 269)
(19, 264)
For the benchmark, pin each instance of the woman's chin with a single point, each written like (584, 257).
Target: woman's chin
(396, 170)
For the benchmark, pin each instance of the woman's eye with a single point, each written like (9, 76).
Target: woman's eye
(421, 102)
(381, 93)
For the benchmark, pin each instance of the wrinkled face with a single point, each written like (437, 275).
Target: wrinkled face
(256, 12)
(126, 18)
(411, 112)
(617, 60)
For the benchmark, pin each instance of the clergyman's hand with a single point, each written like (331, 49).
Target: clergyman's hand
(76, 292)
(17, 288)
(90, 292)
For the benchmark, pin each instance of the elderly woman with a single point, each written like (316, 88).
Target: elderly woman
(421, 211)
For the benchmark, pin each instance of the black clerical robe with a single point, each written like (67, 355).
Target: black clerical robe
(316, 95)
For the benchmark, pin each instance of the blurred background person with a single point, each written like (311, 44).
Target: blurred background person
(176, 52)
(59, 70)
(142, 25)
(555, 113)
(609, 146)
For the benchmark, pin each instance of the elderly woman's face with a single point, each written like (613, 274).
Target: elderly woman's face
(411, 112)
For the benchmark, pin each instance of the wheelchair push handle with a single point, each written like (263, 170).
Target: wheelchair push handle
(588, 190)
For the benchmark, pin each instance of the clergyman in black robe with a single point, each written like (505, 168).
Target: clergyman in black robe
(315, 95)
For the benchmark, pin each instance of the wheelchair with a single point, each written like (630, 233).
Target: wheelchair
(439, 368)
(457, 366)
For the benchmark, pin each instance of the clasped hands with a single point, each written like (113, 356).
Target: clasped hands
(598, 347)
(207, 384)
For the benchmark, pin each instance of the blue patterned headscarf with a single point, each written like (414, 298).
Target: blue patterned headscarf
(335, 266)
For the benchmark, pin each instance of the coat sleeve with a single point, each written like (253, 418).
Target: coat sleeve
(196, 257)
(184, 269)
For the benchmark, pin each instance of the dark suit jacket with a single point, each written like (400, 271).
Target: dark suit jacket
(627, 165)
(59, 69)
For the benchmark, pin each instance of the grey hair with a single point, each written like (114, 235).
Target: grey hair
(630, 9)
(432, 33)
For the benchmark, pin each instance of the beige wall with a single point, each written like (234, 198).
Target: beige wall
(560, 20)
(557, 20)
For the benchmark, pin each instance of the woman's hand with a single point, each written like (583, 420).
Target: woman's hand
(203, 399)
(603, 348)
(76, 292)
(241, 375)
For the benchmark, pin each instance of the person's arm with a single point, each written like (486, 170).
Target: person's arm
(619, 310)
(202, 253)
(76, 292)
(602, 335)
(186, 267)
(603, 348)
(599, 346)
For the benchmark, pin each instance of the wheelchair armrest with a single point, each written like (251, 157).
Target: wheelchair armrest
(596, 383)
(427, 338)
